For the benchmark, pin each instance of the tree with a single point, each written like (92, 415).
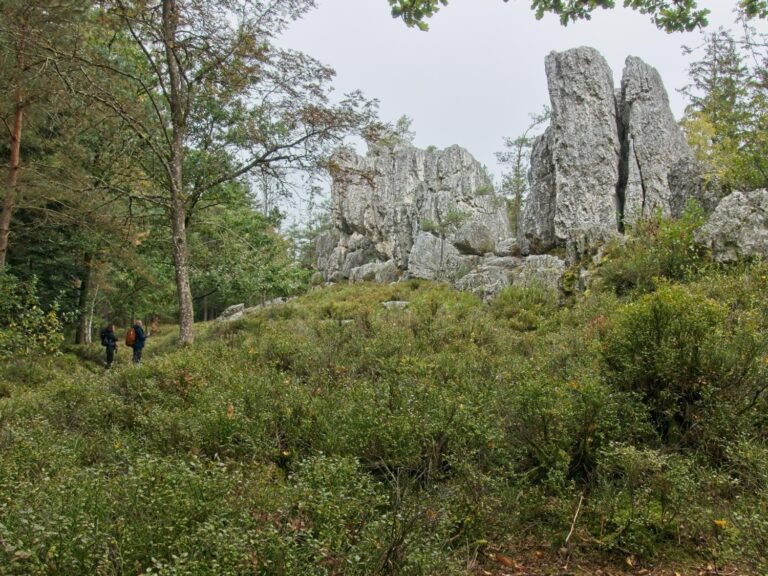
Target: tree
(212, 99)
(516, 159)
(24, 67)
(726, 118)
(669, 15)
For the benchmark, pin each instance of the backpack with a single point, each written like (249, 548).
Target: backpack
(103, 334)
(130, 337)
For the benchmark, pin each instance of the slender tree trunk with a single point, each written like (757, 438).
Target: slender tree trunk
(181, 265)
(9, 202)
(91, 314)
(178, 206)
(83, 335)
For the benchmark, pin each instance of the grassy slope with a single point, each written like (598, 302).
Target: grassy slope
(334, 436)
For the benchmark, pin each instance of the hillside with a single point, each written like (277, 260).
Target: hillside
(622, 430)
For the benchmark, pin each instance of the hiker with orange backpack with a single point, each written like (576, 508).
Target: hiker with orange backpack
(135, 338)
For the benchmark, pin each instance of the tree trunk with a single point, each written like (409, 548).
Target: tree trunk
(9, 202)
(181, 266)
(178, 205)
(83, 335)
(91, 314)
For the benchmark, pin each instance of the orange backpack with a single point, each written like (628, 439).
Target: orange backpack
(130, 337)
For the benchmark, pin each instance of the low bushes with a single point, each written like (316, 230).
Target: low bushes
(340, 437)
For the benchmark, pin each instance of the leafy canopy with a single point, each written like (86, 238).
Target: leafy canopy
(669, 15)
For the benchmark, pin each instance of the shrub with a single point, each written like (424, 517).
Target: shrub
(642, 496)
(657, 248)
(25, 327)
(689, 360)
(524, 308)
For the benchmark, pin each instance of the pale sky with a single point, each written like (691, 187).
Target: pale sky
(475, 76)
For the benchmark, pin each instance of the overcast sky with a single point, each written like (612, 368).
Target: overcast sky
(475, 76)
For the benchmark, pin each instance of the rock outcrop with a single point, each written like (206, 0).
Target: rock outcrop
(578, 156)
(402, 211)
(652, 143)
(607, 158)
(738, 228)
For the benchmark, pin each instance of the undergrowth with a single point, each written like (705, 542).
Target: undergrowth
(332, 435)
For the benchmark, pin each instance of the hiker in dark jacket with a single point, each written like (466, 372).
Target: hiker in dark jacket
(138, 346)
(109, 341)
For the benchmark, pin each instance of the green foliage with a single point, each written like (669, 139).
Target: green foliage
(524, 308)
(728, 108)
(332, 434)
(26, 327)
(687, 357)
(656, 249)
(669, 15)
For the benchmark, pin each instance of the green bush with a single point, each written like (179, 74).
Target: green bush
(25, 327)
(656, 248)
(524, 308)
(695, 364)
(642, 497)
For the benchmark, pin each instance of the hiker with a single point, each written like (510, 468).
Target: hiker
(138, 345)
(109, 341)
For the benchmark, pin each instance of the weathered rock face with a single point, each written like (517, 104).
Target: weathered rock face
(608, 157)
(382, 204)
(652, 143)
(738, 228)
(575, 163)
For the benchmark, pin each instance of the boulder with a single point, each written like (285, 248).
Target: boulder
(234, 312)
(365, 273)
(388, 273)
(474, 238)
(688, 181)
(432, 258)
(396, 304)
(738, 228)
(485, 282)
(507, 247)
(540, 270)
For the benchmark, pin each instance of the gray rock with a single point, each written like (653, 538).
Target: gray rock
(486, 282)
(738, 228)
(234, 312)
(432, 258)
(387, 273)
(543, 270)
(396, 304)
(365, 273)
(575, 164)
(652, 143)
(352, 261)
(507, 247)
(688, 181)
(506, 262)
(536, 229)
(387, 197)
(474, 238)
